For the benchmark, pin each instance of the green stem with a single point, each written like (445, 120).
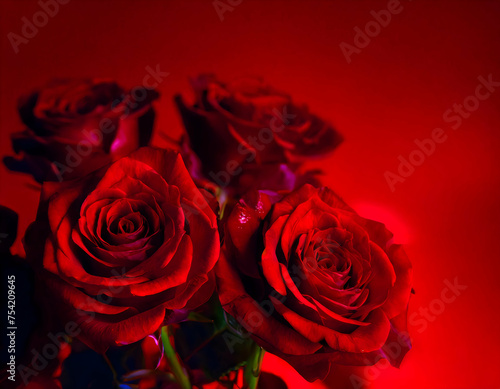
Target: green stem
(113, 371)
(253, 367)
(173, 360)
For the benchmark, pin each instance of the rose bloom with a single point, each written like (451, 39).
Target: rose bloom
(313, 282)
(76, 126)
(126, 249)
(249, 123)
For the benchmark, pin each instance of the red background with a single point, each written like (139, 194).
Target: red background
(396, 90)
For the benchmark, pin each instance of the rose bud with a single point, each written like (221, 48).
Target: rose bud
(126, 249)
(313, 282)
(74, 127)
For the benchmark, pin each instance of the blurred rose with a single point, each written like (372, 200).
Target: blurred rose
(249, 123)
(314, 282)
(127, 248)
(77, 126)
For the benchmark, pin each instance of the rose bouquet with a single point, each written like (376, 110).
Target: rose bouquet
(180, 267)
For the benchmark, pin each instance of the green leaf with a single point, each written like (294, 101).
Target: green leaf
(216, 346)
(198, 317)
(253, 367)
(173, 360)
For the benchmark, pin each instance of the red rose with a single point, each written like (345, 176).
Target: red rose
(127, 248)
(249, 123)
(314, 282)
(77, 126)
